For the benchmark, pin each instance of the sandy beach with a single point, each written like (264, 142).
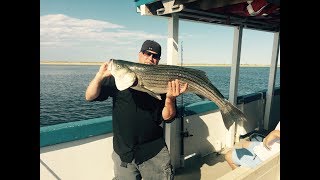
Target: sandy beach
(99, 63)
(69, 63)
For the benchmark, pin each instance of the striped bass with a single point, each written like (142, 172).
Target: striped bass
(153, 79)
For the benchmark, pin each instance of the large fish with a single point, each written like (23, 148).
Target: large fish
(153, 79)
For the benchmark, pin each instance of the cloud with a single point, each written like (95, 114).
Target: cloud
(60, 31)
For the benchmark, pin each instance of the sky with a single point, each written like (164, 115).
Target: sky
(99, 30)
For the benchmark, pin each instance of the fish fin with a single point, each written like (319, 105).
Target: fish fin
(231, 114)
(205, 77)
(200, 73)
(139, 88)
(125, 81)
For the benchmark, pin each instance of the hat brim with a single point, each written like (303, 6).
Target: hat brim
(153, 52)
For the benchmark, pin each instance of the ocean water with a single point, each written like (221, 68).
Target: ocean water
(62, 90)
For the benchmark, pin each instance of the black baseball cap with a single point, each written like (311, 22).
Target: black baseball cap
(150, 45)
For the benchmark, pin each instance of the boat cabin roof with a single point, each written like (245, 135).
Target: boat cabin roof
(256, 14)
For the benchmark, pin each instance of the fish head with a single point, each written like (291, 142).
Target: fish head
(123, 75)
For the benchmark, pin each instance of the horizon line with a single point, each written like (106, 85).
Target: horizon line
(186, 64)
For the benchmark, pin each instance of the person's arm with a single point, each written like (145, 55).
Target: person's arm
(93, 89)
(169, 110)
(275, 134)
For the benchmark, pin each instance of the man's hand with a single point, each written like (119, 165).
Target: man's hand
(103, 71)
(93, 89)
(174, 89)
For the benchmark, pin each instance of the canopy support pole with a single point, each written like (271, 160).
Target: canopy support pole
(271, 82)
(231, 135)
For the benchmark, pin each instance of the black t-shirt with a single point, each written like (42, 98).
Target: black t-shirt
(136, 119)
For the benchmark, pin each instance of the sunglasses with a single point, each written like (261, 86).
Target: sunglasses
(155, 56)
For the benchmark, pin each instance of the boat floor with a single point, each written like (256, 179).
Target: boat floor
(209, 167)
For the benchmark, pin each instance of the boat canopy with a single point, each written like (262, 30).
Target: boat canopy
(255, 14)
(262, 15)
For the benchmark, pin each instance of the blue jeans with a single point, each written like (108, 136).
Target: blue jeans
(156, 168)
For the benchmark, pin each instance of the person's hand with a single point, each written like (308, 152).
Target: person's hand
(174, 89)
(103, 71)
(268, 140)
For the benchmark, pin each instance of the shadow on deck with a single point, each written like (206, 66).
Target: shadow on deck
(211, 166)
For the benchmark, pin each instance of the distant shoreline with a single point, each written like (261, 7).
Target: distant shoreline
(99, 63)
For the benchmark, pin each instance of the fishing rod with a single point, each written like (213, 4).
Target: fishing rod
(181, 117)
(182, 109)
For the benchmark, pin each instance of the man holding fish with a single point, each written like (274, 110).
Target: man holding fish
(139, 147)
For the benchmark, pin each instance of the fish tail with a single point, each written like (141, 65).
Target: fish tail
(231, 114)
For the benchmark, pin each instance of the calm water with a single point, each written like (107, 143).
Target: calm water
(62, 90)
